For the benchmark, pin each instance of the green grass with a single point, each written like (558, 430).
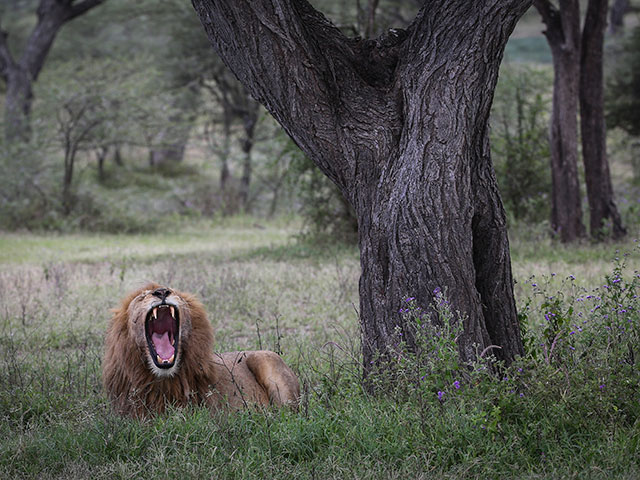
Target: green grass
(546, 417)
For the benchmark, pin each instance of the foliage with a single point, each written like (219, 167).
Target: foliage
(26, 188)
(622, 94)
(328, 215)
(623, 87)
(520, 145)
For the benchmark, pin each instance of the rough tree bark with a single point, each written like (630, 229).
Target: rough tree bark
(563, 36)
(21, 73)
(602, 206)
(400, 125)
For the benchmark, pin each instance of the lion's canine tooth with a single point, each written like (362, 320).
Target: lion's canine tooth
(171, 359)
(155, 313)
(173, 341)
(158, 358)
(173, 312)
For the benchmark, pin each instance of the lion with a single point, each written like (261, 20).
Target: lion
(159, 352)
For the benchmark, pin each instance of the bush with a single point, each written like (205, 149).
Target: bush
(327, 214)
(622, 97)
(520, 144)
(622, 94)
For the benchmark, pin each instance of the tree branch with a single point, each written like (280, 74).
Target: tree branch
(454, 19)
(547, 11)
(52, 15)
(562, 26)
(82, 7)
(297, 64)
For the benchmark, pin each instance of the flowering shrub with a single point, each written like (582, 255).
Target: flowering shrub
(582, 360)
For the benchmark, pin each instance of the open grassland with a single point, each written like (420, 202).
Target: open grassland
(570, 409)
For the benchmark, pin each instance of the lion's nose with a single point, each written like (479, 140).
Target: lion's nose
(162, 293)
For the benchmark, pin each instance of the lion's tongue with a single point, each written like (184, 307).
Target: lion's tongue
(162, 344)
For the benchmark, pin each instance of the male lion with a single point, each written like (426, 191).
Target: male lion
(159, 351)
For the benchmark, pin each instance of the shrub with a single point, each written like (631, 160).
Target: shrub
(519, 139)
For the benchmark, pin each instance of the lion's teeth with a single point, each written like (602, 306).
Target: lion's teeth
(162, 360)
(155, 313)
(173, 341)
(173, 312)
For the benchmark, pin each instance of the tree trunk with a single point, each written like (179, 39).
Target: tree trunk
(19, 75)
(249, 121)
(602, 206)
(563, 36)
(401, 127)
(67, 192)
(101, 155)
(225, 151)
(18, 105)
(117, 155)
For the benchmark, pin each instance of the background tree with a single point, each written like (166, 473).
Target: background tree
(563, 35)
(19, 74)
(236, 105)
(602, 207)
(401, 126)
(87, 107)
(577, 65)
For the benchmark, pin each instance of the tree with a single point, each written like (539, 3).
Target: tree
(602, 206)
(87, 106)
(577, 64)
(20, 74)
(400, 125)
(563, 35)
(236, 104)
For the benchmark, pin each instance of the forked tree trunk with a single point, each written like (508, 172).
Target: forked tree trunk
(577, 62)
(563, 36)
(602, 206)
(401, 126)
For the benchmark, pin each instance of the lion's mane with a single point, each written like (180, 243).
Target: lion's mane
(131, 384)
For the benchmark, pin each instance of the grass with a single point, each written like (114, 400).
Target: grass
(568, 410)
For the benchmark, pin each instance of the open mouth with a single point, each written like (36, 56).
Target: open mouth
(162, 328)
